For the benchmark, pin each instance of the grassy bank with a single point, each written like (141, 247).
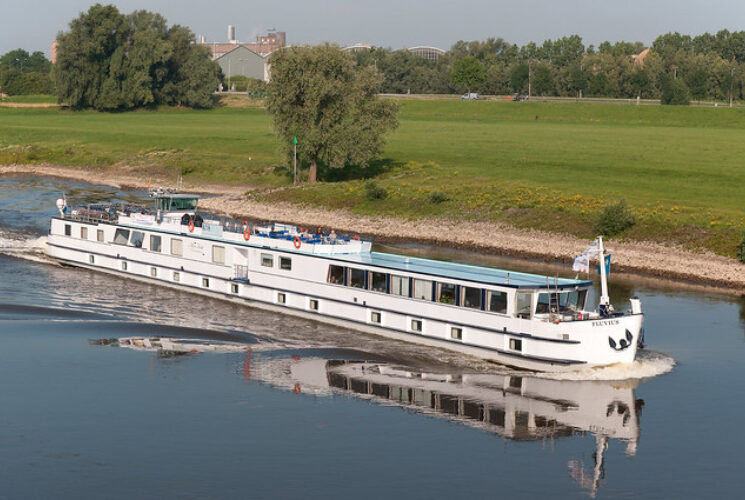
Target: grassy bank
(541, 165)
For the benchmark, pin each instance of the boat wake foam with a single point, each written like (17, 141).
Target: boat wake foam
(24, 246)
(648, 364)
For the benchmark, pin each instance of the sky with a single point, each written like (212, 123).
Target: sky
(34, 24)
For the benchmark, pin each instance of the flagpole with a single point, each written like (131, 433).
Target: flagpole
(604, 299)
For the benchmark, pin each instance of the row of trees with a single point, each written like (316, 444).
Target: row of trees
(24, 73)
(706, 67)
(111, 61)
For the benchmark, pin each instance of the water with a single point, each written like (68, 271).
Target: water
(285, 407)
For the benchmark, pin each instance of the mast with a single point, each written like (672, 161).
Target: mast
(604, 299)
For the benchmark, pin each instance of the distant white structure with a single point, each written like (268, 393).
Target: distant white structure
(429, 53)
(357, 47)
(231, 34)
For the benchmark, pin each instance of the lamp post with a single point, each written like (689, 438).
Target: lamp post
(294, 146)
(731, 82)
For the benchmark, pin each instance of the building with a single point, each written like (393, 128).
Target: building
(357, 47)
(264, 45)
(243, 61)
(429, 53)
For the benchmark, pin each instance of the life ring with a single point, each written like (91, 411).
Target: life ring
(191, 226)
(356, 237)
(246, 234)
(297, 242)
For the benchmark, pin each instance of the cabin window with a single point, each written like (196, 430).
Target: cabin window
(416, 325)
(446, 293)
(206, 282)
(218, 254)
(234, 287)
(285, 263)
(124, 266)
(375, 317)
(176, 276)
(121, 236)
(91, 259)
(400, 285)
(543, 305)
(378, 282)
(561, 302)
(281, 298)
(84, 232)
(456, 333)
(471, 297)
(267, 260)
(137, 238)
(177, 247)
(336, 275)
(423, 289)
(497, 302)
(68, 230)
(523, 305)
(516, 344)
(155, 243)
(313, 304)
(357, 278)
(99, 235)
(153, 272)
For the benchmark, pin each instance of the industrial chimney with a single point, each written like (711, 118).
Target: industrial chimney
(231, 34)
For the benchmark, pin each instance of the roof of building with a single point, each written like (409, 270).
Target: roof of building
(453, 270)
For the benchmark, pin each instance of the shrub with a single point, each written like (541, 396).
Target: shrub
(374, 191)
(615, 219)
(436, 197)
(674, 92)
(741, 249)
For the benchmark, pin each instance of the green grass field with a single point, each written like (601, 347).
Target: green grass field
(541, 165)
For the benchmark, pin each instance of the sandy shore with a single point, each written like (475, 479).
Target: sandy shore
(642, 257)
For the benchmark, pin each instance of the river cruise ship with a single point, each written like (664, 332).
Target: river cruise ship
(522, 320)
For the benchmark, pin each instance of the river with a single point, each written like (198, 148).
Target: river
(114, 388)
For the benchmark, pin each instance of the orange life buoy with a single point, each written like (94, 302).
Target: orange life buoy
(191, 226)
(246, 234)
(356, 237)
(297, 242)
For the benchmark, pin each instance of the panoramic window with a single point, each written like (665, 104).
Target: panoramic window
(84, 232)
(336, 275)
(121, 236)
(523, 305)
(267, 260)
(357, 278)
(378, 282)
(177, 247)
(471, 297)
(99, 235)
(137, 238)
(446, 293)
(155, 243)
(497, 302)
(285, 263)
(218, 254)
(400, 285)
(422, 289)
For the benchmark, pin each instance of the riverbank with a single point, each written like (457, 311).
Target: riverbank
(654, 259)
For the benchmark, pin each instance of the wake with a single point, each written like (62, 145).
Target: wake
(24, 246)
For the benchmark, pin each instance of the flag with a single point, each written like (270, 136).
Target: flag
(607, 265)
(592, 247)
(581, 263)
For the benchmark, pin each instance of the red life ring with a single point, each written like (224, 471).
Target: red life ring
(356, 237)
(297, 242)
(246, 234)
(191, 226)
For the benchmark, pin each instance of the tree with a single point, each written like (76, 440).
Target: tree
(468, 72)
(674, 92)
(639, 82)
(519, 77)
(542, 81)
(698, 84)
(577, 80)
(319, 95)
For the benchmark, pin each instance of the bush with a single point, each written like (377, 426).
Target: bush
(374, 191)
(436, 197)
(674, 92)
(741, 249)
(615, 219)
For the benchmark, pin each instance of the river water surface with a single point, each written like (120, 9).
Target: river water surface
(114, 388)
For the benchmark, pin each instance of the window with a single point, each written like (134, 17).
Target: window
(218, 254)
(456, 333)
(357, 278)
(375, 317)
(416, 325)
(285, 263)
(267, 260)
(155, 243)
(206, 282)
(523, 305)
(561, 301)
(177, 247)
(446, 293)
(124, 266)
(121, 236)
(400, 285)
(313, 304)
(281, 298)
(471, 297)
(153, 272)
(497, 302)
(84, 232)
(176, 276)
(91, 259)
(234, 287)
(516, 344)
(68, 230)
(378, 282)
(99, 235)
(137, 238)
(423, 289)
(336, 275)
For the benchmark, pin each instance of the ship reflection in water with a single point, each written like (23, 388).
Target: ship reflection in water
(515, 407)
